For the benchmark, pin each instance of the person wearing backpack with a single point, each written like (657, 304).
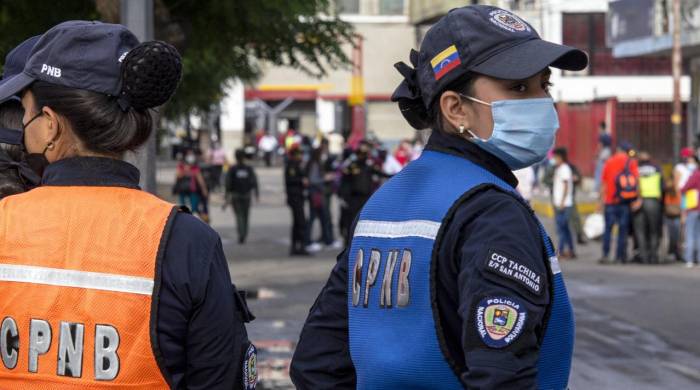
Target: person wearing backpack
(619, 188)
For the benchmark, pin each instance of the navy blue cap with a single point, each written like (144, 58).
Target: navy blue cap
(626, 146)
(480, 39)
(77, 54)
(14, 63)
(16, 58)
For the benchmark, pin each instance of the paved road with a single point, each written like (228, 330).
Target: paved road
(637, 326)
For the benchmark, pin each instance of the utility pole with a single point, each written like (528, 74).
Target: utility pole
(356, 99)
(137, 16)
(677, 62)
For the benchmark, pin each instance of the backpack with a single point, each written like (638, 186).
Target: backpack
(626, 185)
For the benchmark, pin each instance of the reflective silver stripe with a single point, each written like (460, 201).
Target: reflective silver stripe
(388, 229)
(554, 265)
(72, 278)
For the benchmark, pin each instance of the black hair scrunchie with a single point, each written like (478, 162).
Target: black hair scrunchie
(409, 96)
(151, 73)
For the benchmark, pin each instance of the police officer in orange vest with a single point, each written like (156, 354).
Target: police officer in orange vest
(104, 285)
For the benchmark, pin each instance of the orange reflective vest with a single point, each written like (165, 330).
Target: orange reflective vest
(79, 267)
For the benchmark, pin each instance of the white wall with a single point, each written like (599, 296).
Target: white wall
(625, 88)
(232, 117)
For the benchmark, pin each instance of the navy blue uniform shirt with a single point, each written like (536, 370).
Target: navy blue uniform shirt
(200, 324)
(488, 222)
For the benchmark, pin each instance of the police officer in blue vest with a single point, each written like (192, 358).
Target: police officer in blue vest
(450, 281)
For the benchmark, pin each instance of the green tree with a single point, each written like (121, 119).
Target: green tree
(218, 39)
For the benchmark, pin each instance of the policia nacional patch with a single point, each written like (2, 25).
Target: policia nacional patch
(500, 320)
(250, 368)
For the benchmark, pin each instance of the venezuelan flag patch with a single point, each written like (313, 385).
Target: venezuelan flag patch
(444, 62)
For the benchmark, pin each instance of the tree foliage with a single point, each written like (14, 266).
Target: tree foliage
(218, 39)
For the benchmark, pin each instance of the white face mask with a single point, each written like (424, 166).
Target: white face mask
(190, 159)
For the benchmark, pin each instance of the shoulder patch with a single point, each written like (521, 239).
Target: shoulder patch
(500, 320)
(250, 368)
(507, 266)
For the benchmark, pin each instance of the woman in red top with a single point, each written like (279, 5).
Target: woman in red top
(190, 184)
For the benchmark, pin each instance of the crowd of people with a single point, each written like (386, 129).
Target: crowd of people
(637, 202)
(318, 171)
(322, 169)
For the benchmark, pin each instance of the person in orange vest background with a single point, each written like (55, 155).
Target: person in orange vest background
(105, 285)
(615, 204)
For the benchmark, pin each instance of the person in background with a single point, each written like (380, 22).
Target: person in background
(391, 165)
(672, 218)
(216, 158)
(318, 202)
(241, 184)
(690, 192)
(16, 174)
(526, 180)
(291, 140)
(403, 153)
(604, 153)
(685, 168)
(647, 219)
(358, 180)
(190, 185)
(268, 146)
(575, 220)
(336, 144)
(563, 200)
(616, 211)
(295, 184)
(418, 146)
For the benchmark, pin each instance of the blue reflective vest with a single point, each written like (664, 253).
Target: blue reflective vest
(394, 343)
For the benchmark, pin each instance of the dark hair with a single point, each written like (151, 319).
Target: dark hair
(117, 124)
(562, 152)
(11, 113)
(240, 155)
(419, 117)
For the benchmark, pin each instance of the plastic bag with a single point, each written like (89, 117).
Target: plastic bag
(594, 226)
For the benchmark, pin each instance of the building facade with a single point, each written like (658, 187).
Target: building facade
(631, 95)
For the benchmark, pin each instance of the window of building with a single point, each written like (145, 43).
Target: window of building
(348, 6)
(391, 7)
(586, 31)
(522, 5)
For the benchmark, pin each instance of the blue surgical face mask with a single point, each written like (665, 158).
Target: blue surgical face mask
(523, 130)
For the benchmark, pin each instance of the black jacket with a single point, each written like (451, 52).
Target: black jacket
(489, 221)
(241, 180)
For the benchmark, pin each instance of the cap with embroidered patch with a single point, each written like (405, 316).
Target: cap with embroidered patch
(480, 39)
(78, 54)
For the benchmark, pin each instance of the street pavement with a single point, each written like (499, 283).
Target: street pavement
(636, 326)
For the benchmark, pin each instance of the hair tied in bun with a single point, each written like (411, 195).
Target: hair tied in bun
(150, 74)
(409, 96)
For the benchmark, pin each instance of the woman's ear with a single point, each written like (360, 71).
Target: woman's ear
(454, 111)
(53, 124)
